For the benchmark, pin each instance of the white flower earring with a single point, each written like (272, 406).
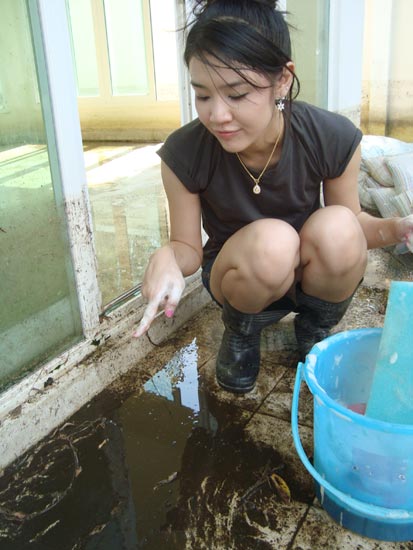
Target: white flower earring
(280, 103)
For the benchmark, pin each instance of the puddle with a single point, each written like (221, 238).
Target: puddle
(164, 469)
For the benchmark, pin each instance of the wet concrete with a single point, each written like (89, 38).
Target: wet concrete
(164, 459)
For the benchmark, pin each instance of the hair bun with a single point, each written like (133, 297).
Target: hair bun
(205, 4)
(271, 3)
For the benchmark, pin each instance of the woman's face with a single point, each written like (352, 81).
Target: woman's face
(239, 115)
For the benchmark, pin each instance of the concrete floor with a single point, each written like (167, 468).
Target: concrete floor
(165, 459)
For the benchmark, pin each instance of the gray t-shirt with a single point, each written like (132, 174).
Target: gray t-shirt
(317, 145)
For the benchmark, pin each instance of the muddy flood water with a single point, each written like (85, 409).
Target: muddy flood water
(141, 471)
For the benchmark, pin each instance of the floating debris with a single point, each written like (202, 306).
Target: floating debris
(169, 479)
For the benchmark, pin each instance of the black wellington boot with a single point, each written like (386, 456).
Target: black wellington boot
(238, 360)
(315, 319)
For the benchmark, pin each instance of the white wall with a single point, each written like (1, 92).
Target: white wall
(388, 69)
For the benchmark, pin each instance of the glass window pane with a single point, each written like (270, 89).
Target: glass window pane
(126, 44)
(83, 45)
(2, 101)
(129, 210)
(39, 315)
(309, 37)
(164, 37)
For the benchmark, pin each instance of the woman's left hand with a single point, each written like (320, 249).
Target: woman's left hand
(404, 230)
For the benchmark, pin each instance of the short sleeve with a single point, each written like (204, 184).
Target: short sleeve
(189, 152)
(331, 140)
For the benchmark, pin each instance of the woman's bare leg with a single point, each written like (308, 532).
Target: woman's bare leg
(333, 254)
(261, 263)
(333, 261)
(256, 266)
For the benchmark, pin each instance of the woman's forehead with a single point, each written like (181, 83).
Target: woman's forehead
(213, 71)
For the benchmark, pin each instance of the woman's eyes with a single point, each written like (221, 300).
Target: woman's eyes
(236, 97)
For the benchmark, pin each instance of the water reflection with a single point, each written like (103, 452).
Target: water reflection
(179, 374)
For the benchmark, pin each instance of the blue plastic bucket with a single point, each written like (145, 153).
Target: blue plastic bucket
(363, 468)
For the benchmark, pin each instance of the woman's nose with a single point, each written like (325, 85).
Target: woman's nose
(220, 111)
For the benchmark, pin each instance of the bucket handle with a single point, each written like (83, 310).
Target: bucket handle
(366, 510)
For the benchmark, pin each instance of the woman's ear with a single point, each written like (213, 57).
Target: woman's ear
(286, 79)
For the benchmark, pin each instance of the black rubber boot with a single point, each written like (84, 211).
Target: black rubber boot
(238, 360)
(315, 319)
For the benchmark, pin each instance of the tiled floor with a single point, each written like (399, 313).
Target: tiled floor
(165, 459)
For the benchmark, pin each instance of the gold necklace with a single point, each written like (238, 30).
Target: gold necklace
(257, 189)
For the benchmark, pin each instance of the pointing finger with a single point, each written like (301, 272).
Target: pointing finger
(148, 316)
(173, 300)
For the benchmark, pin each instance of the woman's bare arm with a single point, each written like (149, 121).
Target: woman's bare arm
(185, 222)
(163, 281)
(379, 232)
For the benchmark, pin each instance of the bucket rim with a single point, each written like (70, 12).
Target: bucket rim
(320, 393)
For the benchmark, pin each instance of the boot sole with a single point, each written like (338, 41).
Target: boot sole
(235, 389)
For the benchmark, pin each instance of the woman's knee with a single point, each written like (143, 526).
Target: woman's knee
(265, 251)
(270, 237)
(271, 243)
(334, 236)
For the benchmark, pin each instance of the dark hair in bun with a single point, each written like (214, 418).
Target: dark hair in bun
(252, 34)
(206, 3)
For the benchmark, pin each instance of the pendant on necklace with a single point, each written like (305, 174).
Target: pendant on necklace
(256, 189)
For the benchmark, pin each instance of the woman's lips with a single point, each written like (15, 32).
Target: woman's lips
(226, 134)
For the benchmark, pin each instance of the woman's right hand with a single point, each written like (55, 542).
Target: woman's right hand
(405, 231)
(164, 281)
(162, 287)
